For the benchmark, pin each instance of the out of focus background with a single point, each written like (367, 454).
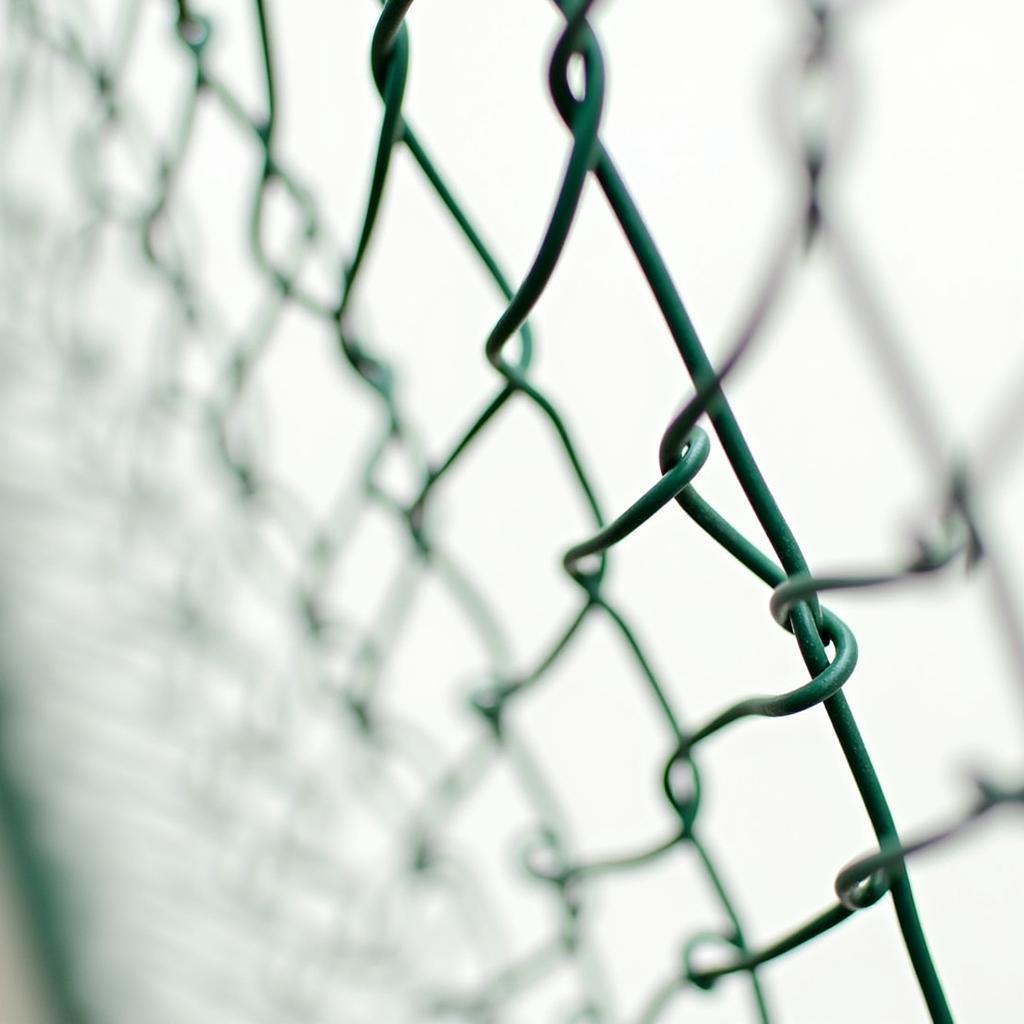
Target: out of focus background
(244, 778)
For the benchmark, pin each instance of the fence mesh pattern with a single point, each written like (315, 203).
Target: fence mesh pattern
(268, 726)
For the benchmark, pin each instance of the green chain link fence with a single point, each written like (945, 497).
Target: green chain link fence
(48, 815)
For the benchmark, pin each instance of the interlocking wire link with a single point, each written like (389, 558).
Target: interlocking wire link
(250, 780)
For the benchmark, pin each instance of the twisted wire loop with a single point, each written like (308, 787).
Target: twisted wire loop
(268, 744)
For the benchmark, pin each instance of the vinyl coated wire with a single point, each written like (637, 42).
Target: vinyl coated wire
(826, 645)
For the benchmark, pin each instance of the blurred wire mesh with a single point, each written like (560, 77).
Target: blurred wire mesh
(215, 785)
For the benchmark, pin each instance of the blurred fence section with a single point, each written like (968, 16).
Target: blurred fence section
(230, 808)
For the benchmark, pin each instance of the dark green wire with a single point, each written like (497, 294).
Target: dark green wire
(548, 857)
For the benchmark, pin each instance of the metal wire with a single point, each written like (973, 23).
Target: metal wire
(375, 740)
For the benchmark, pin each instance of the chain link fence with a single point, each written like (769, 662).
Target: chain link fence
(217, 783)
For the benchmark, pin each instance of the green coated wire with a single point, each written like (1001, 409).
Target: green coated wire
(547, 855)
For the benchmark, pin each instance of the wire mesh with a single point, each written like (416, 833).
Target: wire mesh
(200, 573)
